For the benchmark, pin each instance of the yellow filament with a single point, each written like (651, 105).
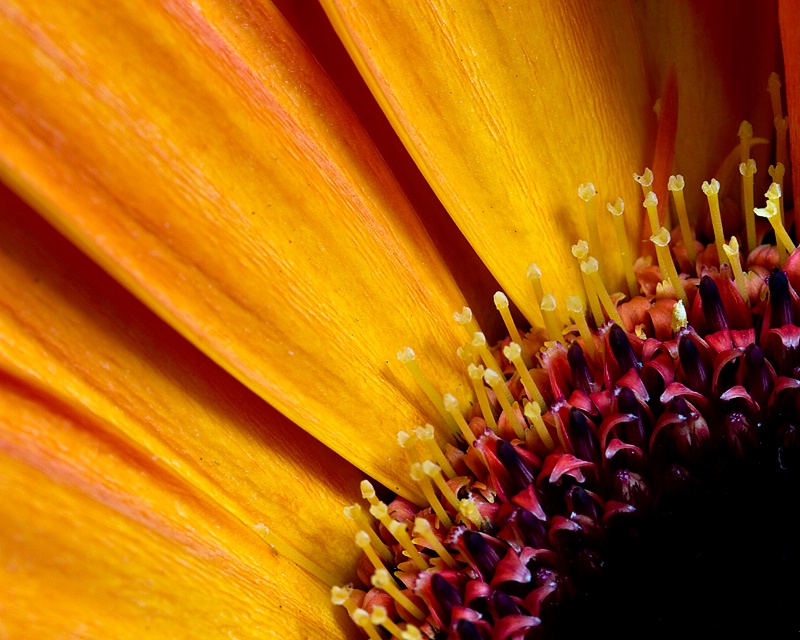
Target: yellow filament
(380, 617)
(676, 185)
(427, 435)
(476, 375)
(679, 318)
(418, 476)
(513, 352)
(580, 250)
(661, 240)
(745, 140)
(551, 323)
(591, 268)
(711, 189)
(423, 528)
(534, 414)
(479, 344)
(776, 173)
(368, 492)
(534, 274)
(781, 124)
(469, 510)
(732, 251)
(616, 209)
(398, 531)
(434, 472)
(587, 193)
(451, 404)
(363, 543)
(356, 514)
(408, 358)
(498, 385)
(576, 312)
(781, 128)
(467, 320)
(501, 303)
(651, 204)
(774, 89)
(785, 243)
(361, 618)
(748, 170)
(381, 579)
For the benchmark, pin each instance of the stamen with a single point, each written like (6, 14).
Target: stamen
(469, 510)
(423, 528)
(770, 212)
(616, 210)
(774, 90)
(651, 204)
(776, 173)
(745, 140)
(361, 618)
(363, 543)
(467, 320)
(356, 514)
(575, 308)
(591, 268)
(408, 358)
(501, 304)
(587, 192)
(661, 240)
(479, 344)
(676, 185)
(398, 530)
(418, 476)
(534, 274)
(434, 472)
(476, 375)
(580, 250)
(407, 441)
(381, 618)
(368, 492)
(551, 323)
(533, 413)
(452, 406)
(748, 170)
(732, 251)
(781, 124)
(679, 317)
(513, 352)
(498, 385)
(427, 435)
(645, 180)
(465, 353)
(711, 189)
(781, 129)
(382, 580)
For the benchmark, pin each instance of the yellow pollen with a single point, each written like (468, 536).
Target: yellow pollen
(732, 251)
(427, 434)
(363, 543)
(748, 170)
(466, 320)
(381, 618)
(434, 472)
(651, 204)
(340, 595)
(534, 414)
(513, 352)
(581, 250)
(616, 209)
(676, 185)
(381, 579)
(398, 531)
(776, 173)
(645, 181)
(784, 241)
(479, 344)
(591, 268)
(498, 385)
(469, 510)
(576, 312)
(711, 189)
(368, 492)
(661, 240)
(501, 303)
(534, 274)
(452, 406)
(418, 476)
(409, 359)
(356, 514)
(423, 528)
(476, 375)
(679, 318)
(551, 323)
(361, 618)
(587, 193)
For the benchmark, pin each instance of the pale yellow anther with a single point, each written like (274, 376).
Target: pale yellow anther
(514, 354)
(534, 414)
(480, 346)
(591, 268)
(469, 510)
(580, 249)
(408, 358)
(427, 435)
(405, 440)
(645, 180)
(651, 205)
(711, 189)
(745, 140)
(501, 303)
(467, 354)
(466, 320)
(434, 472)
(587, 192)
(616, 210)
(777, 173)
(676, 185)
(551, 323)
(362, 619)
(476, 375)
(534, 274)
(732, 251)
(399, 532)
(423, 528)
(418, 476)
(368, 492)
(661, 241)
(679, 318)
(340, 595)
(772, 213)
(363, 542)
(411, 633)
(380, 617)
(498, 385)
(381, 579)
(576, 312)
(453, 407)
(748, 170)
(356, 514)
(774, 89)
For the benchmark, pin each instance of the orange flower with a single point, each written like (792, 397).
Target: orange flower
(199, 153)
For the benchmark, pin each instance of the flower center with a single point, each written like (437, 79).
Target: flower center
(627, 424)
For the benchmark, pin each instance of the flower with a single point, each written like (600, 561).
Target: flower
(160, 139)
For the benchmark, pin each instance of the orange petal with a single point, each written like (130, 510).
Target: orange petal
(101, 541)
(70, 331)
(199, 153)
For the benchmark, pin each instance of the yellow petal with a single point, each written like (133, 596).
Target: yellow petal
(71, 331)
(201, 156)
(100, 541)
